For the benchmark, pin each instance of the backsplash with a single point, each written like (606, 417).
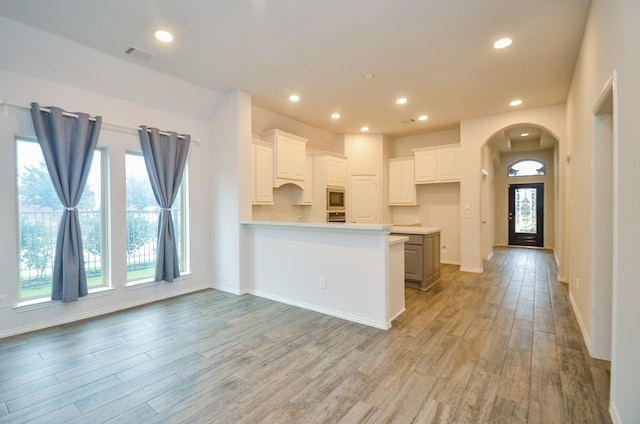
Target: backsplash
(283, 208)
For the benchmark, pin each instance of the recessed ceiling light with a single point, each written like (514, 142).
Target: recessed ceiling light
(524, 134)
(502, 43)
(164, 36)
(369, 75)
(401, 101)
(364, 129)
(294, 98)
(515, 103)
(335, 115)
(423, 118)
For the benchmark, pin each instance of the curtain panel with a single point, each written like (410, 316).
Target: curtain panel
(67, 142)
(165, 157)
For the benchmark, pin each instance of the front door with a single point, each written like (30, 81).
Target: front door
(526, 213)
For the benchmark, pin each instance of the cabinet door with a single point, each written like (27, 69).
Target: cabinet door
(298, 160)
(413, 263)
(425, 167)
(290, 158)
(402, 186)
(336, 171)
(262, 174)
(284, 157)
(449, 164)
(395, 183)
(307, 192)
(408, 182)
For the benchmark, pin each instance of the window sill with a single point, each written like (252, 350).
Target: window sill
(30, 305)
(148, 282)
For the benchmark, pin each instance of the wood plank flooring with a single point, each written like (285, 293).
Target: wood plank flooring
(498, 347)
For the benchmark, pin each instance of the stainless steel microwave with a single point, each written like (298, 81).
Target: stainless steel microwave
(335, 199)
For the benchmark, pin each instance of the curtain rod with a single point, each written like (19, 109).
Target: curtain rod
(92, 118)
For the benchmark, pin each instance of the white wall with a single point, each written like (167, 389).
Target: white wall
(319, 140)
(609, 44)
(22, 89)
(474, 133)
(401, 146)
(231, 190)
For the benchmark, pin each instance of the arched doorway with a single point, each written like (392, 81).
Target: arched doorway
(506, 148)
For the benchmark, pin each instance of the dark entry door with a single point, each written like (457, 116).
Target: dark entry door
(526, 213)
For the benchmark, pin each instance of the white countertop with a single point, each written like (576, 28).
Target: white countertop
(414, 230)
(393, 240)
(321, 225)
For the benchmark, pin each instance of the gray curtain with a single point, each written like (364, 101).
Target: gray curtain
(165, 156)
(67, 143)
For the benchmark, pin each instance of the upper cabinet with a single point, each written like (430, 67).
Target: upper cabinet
(336, 171)
(440, 164)
(402, 188)
(330, 169)
(306, 198)
(261, 172)
(290, 157)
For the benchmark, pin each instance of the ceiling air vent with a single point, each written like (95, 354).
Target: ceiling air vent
(139, 53)
(408, 121)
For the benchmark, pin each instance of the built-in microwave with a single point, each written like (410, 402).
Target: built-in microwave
(335, 198)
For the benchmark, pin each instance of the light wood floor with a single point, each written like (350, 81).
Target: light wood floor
(500, 347)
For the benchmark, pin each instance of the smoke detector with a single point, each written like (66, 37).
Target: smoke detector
(139, 53)
(408, 121)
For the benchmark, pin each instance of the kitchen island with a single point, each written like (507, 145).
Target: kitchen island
(351, 271)
(421, 255)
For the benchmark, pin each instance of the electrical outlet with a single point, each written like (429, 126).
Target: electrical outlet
(323, 283)
(3, 300)
(224, 267)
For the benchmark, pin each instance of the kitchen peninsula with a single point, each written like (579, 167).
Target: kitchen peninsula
(351, 271)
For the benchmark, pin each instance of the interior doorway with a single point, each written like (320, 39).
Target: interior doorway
(526, 214)
(603, 209)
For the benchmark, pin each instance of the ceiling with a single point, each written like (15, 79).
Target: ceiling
(437, 54)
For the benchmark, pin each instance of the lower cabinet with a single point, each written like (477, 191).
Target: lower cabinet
(421, 260)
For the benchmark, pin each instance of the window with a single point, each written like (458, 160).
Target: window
(142, 221)
(526, 168)
(39, 212)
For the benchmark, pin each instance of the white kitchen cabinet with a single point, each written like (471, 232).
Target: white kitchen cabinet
(402, 188)
(439, 164)
(306, 197)
(425, 166)
(336, 171)
(448, 165)
(330, 169)
(261, 172)
(290, 156)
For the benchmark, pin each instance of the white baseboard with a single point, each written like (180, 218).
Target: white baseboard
(489, 256)
(97, 312)
(470, 269)
(583, 330)
(450, 262)
(354, 318)
(613, 413)
(228, 289)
